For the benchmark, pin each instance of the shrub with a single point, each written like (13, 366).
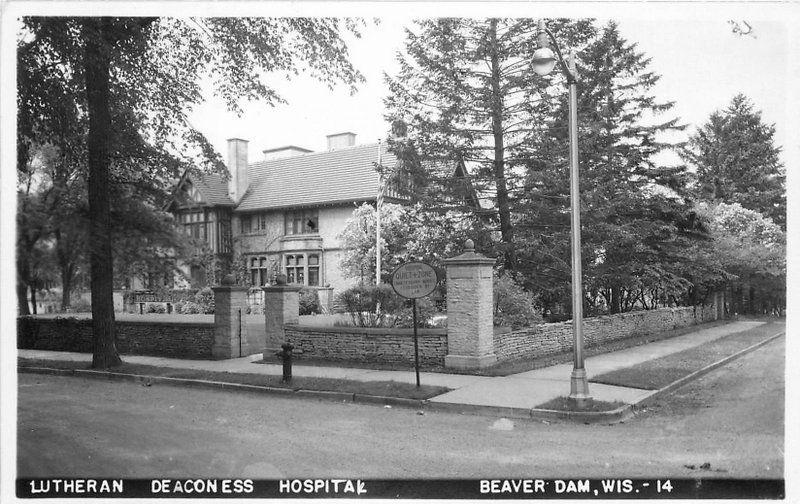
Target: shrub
(177, 307)
(426, 310)
(361, 303)
(156, 308)
(205, 299)
(513, 305)
(191, 308)
(309, 301)
(81, 306)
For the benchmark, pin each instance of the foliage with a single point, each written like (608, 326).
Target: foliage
(362, 302)
(465, 88)
(192, 308)
(156, 308)
(738, 162)
(408, 233)
(309, 301)
(751, 248)
(132, 81)
(205, 299)
(426, 313)
(636, 220)
(513, 305)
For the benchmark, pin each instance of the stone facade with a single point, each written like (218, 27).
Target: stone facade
(359, 344)
(183, 340)
(281, 307)
(470, 310)
(544, 340)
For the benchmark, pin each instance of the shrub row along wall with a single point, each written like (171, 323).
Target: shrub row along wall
(544, 340)
(368, 344)
(187, 340)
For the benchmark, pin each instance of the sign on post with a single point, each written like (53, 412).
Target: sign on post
(414, 280)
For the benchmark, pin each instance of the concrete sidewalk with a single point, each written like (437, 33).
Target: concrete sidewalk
(522, 390)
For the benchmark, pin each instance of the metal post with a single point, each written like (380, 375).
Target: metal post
(416, 344)
(579, 387)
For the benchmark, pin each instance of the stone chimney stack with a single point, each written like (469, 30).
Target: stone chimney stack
(341, 140)
(237, 166)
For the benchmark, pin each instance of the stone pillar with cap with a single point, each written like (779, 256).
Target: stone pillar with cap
(470, 321)
(230, 328)
(281, 307)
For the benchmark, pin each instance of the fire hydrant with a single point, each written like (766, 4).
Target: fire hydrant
(286, 356)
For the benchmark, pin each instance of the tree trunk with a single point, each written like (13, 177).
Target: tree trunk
(498, 165)
(96, 71)
(66, 288)
(33, 297)
(616, 302)
(22, 286)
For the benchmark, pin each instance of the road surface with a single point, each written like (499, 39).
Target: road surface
(732, 419)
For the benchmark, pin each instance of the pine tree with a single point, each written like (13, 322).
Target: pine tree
(636, 218)
(738, 162)
(466, 90)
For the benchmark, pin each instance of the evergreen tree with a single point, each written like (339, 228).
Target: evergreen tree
(466, 90)
(636, 220)
(738, 162)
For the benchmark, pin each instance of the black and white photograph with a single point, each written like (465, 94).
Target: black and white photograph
(398, 250)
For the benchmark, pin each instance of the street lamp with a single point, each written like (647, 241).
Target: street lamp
(544, 61)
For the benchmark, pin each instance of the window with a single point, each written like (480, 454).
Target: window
(313, 270)
(295, 269)
(300, 271)
(246, 223)
(260, 268)
(253, 222)
(301, 222)
(194, 224)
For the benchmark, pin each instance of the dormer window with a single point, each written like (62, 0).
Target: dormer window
(301, 222)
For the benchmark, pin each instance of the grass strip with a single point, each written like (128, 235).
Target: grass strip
(376, 388)
(657, 373)
(563, 403)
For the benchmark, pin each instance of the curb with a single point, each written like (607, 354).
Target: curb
(609, 417)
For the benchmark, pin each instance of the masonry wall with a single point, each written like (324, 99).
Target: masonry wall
(186, 340)
(551, 339)
(368, 344)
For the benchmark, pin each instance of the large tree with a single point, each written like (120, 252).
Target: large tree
(737, 160)
(136, 79)
(466, 91)
(637, 221)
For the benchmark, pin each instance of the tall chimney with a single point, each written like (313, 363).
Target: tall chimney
(237, 166)
(341, 140)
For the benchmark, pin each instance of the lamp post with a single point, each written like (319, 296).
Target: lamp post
(544, 60)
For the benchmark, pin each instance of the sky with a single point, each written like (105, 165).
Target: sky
(703, 64)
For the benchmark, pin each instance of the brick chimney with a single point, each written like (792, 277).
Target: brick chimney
(237, 166)
(341, 140)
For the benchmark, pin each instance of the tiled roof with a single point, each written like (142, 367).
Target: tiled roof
(213, 187)
(318, 178)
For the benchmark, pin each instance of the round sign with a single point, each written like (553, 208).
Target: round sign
(414, 280)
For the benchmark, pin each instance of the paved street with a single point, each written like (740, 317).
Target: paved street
(732, 418)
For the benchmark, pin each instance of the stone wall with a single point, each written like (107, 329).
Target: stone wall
(551, 339)
(361, 344)
(186, 340)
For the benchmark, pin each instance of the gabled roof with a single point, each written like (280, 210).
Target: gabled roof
(213, 187)
(317, 178)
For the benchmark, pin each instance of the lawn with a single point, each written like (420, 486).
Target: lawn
(657, 373)
(378, 388)
(564, 404)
